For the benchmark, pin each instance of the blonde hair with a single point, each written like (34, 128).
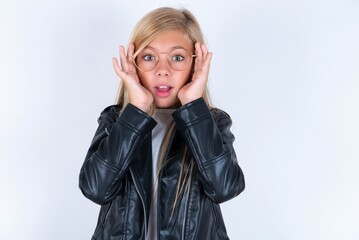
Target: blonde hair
(146, 30)
(154, 23)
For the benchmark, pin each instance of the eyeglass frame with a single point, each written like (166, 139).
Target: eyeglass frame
(168, 60)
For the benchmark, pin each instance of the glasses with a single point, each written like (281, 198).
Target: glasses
(179, 59)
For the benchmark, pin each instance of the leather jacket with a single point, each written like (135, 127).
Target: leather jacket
(117, 174)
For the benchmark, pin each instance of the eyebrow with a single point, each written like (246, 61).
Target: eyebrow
(172, 48)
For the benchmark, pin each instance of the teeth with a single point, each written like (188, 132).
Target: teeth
(163, 88)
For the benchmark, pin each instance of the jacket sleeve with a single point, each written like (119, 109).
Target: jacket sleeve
(116, 140)
(211, 146)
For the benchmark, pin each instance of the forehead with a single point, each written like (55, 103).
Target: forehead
(171, 39)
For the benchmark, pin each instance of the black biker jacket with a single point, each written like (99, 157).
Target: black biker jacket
(117, 174)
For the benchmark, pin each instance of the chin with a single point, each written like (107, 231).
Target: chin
(167, 104)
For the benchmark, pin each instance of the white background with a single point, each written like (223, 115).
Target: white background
(286, 71)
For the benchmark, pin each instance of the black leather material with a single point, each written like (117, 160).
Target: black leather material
(117, 172)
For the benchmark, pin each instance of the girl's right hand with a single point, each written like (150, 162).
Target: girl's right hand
(138, 95)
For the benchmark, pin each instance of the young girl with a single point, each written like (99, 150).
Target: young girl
(162, 159)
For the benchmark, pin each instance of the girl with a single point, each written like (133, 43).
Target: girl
(162, 159)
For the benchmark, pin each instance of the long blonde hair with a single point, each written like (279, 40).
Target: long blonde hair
(148, 28)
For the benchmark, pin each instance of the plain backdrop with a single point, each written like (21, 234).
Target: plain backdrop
(286, 71)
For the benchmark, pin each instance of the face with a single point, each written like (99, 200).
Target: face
(163, 81)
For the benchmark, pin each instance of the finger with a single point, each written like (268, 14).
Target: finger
(123, 75)
(198, 61)
(117, 68)
(207, 63)
(130, 60)
(115, 65)
(123, 59)
(130, 52)
(204, 51)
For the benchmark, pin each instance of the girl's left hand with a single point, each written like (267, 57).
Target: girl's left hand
(197, 86)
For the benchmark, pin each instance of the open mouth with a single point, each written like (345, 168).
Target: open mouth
(163, 88)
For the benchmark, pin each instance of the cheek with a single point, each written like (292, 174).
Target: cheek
(143, 78)
(183, 81)
(187, 77)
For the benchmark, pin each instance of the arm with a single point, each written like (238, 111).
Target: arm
(111, 151)
(212, 150)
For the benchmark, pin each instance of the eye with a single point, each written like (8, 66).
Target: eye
(149, 57)
(177, 58)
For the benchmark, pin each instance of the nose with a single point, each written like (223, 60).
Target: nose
(163, 68)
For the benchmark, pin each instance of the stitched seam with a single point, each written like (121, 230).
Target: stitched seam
(126, 212)
(122, 170)
(197, 120)
(200, 166)
(131, 127)
(113, 167)
(214, 160)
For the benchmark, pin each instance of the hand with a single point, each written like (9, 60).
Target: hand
(138, 95)
(197, 86)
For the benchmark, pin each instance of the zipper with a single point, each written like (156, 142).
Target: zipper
(107, 213)
(159, 180)
(106, 130)
(185, 212)
(143, 202)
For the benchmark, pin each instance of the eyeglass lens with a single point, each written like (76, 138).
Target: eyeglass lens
(178, 59)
